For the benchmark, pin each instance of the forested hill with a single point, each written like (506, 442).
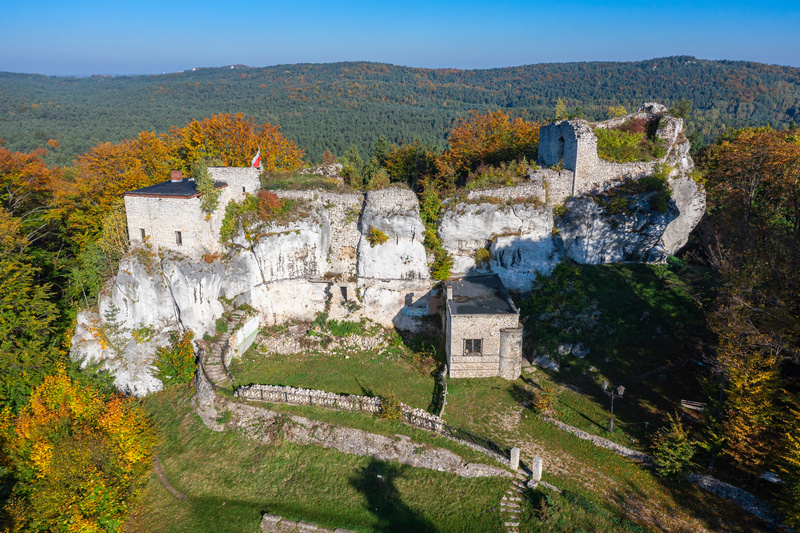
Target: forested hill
(339, 104)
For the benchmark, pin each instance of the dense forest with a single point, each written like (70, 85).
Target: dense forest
(333, 106)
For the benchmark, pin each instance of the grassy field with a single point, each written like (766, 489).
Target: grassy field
(230, 481)
(347, 371)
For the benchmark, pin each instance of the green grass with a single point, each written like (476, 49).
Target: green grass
(230, 481)
(493, 407)
(297, 181)
(376, 424)
(345, 372)
(636, 319)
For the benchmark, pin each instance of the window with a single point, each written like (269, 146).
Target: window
(243, 191)
(178, 238)
(143, 234)
(473, 346)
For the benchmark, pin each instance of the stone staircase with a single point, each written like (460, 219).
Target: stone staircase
(511, 503)
(214, 360)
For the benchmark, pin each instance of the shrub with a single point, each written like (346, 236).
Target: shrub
(221, 326)
(268, 204)
(379, 180)
(176, 365)
(390, 407)
(483, 257)
(442, 265)
(672, 449)
(211, 257)
(209, 194)
(560, 211)
(376, 237)
(344, 328)
(633, 140)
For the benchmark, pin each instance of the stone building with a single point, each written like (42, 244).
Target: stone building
(573, 145)
(168, 214)
(482, 329)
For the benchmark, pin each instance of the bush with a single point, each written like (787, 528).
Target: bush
(206, 186)
(672, 449)
(390, 407)
(221, 325)
(483, 257)
(376, 237)
(344, 328)
(176, 365)
(442, 265)
(634, 140)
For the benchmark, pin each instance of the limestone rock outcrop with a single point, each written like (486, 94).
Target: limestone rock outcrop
(328, 256)
(393, 213)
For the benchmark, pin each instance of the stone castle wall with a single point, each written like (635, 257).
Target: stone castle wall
(161, 217)
(574, 144)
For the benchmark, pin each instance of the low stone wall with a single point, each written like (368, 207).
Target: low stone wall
(343, 402)
(411, 415)
(603, 443)
(295, 396)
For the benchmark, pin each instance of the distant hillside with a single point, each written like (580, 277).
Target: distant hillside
(339, 104)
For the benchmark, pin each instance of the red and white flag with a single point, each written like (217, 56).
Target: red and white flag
(256, 162)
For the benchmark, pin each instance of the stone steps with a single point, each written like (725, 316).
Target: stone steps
(511, 503)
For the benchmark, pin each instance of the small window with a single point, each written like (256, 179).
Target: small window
(143, 233)
(243, 191)
(178, 238)
(473, 346)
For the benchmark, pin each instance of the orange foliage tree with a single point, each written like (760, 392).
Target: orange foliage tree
(25, 190)
(233, 140)
(490, 138)
(78, 457)
(107, 171)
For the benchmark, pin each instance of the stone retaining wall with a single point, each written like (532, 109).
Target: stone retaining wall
(411, 415)
(343, 402)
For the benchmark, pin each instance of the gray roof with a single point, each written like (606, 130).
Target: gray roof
(173, 189)
(480, 295)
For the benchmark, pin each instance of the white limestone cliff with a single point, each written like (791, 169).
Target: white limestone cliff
(295, 270)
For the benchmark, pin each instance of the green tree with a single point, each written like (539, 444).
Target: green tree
(209, 194)
(673, 450)
(175, 364)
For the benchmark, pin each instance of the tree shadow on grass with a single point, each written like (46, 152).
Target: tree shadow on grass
(377, 482)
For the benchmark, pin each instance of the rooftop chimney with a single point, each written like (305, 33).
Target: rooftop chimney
(449, 292)
(175, 176)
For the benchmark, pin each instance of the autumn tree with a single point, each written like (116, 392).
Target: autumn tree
(490, 138)
(27, 318)
(672, 449)
(411, 162)
(78, 457)
(751, 240)
(234, 140)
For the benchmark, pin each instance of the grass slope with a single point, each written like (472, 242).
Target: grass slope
(230, 481)
(344, 372)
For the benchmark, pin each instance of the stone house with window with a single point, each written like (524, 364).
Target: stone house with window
(168, 215)
(483, 334)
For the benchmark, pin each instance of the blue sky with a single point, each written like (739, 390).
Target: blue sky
(142, 37)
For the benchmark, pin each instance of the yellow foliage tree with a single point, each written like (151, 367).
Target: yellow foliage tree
(78, 457)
